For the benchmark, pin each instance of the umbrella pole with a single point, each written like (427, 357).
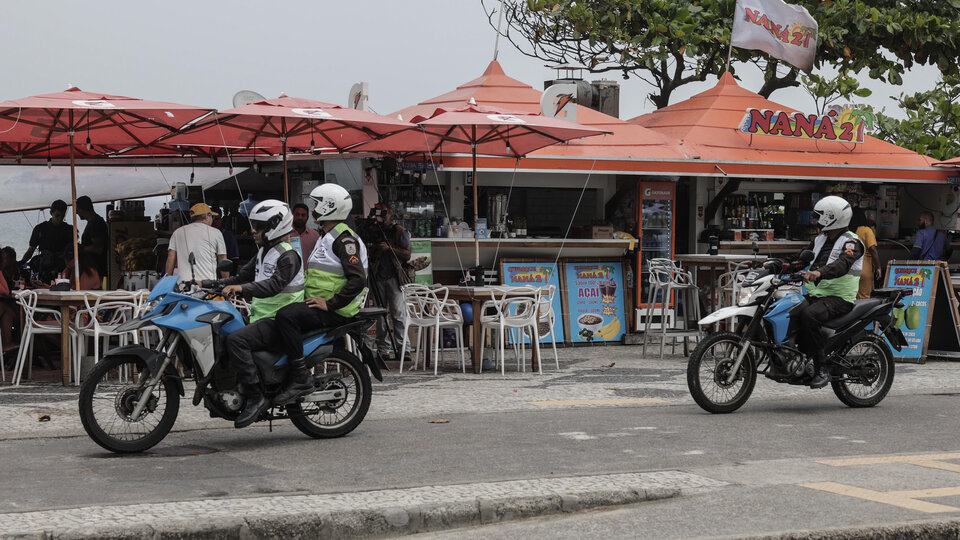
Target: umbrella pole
(286, 182)
(73, 193)
(476, 213)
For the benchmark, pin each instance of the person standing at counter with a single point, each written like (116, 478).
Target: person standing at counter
(929, 243)
(52, 238)
(871, 263)
(95, 238)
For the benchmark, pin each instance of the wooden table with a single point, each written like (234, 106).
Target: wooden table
(477, 296)
(65, 300)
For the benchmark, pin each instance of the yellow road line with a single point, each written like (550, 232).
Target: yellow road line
(891, 498)
(928, 493)
(626, 401)
(917, 459)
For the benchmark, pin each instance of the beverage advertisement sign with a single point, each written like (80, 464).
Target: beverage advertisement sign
(537, 274)
(914, 318)
(595, 301)
(421, 259)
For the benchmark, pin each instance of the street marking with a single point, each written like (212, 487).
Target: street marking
(565, 402)
(913, 460)
(694, 453)
(577, 435)
(891, 498)
(903, 498)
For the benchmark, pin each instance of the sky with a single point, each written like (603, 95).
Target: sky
(202, 52)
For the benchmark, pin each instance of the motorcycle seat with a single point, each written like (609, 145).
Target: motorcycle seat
(860, 308)
(371, 312)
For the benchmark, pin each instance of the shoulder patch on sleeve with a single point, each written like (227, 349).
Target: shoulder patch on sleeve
(850, 246)
(354, 259)
(350, 248)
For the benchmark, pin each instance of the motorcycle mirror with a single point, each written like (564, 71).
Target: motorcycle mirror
(192, 259)
(806, 256)
(756, 248)
(226, 265)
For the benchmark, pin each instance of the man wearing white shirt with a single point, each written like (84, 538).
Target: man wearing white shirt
(200, 238)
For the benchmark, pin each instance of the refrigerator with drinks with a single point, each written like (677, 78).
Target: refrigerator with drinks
(656, 204)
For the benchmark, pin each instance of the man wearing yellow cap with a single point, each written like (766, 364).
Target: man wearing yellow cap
(200, 238)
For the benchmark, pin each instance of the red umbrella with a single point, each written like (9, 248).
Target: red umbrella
(480, 130)
(48, 125)
(288, 123)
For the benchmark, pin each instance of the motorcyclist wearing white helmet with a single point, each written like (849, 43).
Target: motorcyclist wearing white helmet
(274, 279)
(833, 279)
(336, 278)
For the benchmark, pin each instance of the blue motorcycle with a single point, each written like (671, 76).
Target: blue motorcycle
(130, 399)
(761, 338)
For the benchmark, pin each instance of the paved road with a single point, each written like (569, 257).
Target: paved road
(591, 419)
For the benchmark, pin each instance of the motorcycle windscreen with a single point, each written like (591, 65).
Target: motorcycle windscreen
(779, 316)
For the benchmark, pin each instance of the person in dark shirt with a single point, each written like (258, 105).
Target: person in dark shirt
(832, 280)
(930, 244)
(51, 239)
(95, 240)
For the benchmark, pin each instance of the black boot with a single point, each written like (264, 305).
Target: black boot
(254, 406)
(299, 383)
(821, 374)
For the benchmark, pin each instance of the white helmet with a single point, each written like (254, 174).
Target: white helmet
(273, 218)
(833, 213)
(333, 203)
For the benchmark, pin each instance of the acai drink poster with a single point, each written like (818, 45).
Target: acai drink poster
(595, 307)
(913, 319)
(537, 274)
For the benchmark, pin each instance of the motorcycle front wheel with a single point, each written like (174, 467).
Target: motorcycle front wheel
(108, 397)
(708, 372)
(330, 419)
(871, 376)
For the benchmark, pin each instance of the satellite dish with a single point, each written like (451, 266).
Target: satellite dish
(245, 97)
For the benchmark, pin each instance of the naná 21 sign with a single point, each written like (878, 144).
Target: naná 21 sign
(840, 124)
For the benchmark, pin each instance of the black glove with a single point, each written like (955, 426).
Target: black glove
(209, 283)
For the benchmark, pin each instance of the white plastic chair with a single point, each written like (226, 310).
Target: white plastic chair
(512, 308)
(145, 332)
(31, 328)
(429, 308)
(547, 317)
(101, 320)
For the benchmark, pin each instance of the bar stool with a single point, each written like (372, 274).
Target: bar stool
(668, 280)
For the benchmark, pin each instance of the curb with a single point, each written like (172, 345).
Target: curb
(903, 530)
(369, 514)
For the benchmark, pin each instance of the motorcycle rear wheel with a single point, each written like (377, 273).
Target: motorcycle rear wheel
(108, 396)
(872, 355)
(329, 420)
(708, 368)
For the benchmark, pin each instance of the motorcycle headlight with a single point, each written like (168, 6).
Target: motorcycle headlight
(746, 296)
(149, 307)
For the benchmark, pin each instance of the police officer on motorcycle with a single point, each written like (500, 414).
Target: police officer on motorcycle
(336, 279)
(832, 279)
(274, 278)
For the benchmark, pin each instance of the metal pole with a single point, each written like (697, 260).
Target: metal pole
(73, 193)
(496, 43)
(476, 210)
(286, 181)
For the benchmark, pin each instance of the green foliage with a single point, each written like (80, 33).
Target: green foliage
(669, 43)
(932, 126)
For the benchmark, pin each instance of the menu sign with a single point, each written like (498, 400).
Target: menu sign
(914, 318)
(928, 319)
(421, 259)
(537, 274)
(595, 301)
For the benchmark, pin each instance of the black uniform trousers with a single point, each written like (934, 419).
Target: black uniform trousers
(812, 318)
(296, 319)
(241, 345)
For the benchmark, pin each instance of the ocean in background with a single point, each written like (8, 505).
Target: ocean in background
(15, 227)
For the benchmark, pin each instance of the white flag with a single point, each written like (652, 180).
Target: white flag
(779, 29)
